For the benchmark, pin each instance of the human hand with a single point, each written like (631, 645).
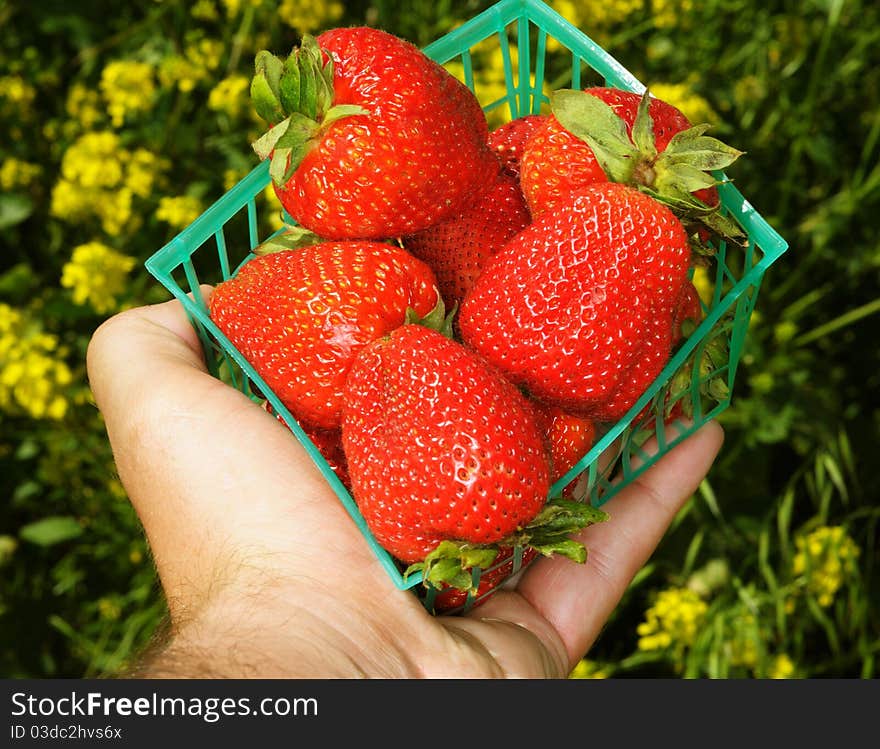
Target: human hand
(265, 573)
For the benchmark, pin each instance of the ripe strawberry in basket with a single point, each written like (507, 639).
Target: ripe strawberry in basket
(502, 568)
(581, 297)
(447, 462)
(509, 140)
(370, 138)
(457, 249)
(603, 133)
(300, 316)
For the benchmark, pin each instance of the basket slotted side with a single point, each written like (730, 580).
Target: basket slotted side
(534, 42)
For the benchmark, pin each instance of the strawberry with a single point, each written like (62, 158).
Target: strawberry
(329, 444)
(457, 249)
(439, 445)
(300, 316)
(603, 133)
(509, 140)
(451, 598)
(446, 459)
(570, 437)
(572, 303)
(370, 138)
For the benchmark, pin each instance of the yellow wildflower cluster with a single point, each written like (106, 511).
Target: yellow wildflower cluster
(782, 667)
(587, 669)
(824, 559)
(204, 10)
(84, 105)
(100, 178)
(743, 647)
(200, 58)
(16, 95)
(15, 173)
(691, 105)
(97, 275)
(129, 87)
(230, 95)
(234, 7)
(596, 13)
(668, 14)
(306, 16)
(33, 376)
(179, 212)
(673, 620)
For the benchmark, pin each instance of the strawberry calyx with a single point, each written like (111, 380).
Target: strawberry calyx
(451, 563)
(296, 97)
(670, 176)
(437, 319)
(291, 238)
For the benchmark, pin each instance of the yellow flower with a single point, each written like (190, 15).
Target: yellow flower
(691, 105)
(176, 70)
(8, 545)
(782, 667)
(204, 10)
(586, 669)
(673, 620)
(84, 105)
(306, 16)
(109, 609)
(16, 95)
(668, 14)
(205, 54)
(33, 376)
(743, 647)
(231, 95)
(15, 173)
(179, 212)
(129, 87)
(233, 7)
(596, 13)
(97, 274)
(824, 560)
(143, 168)
(100, 179)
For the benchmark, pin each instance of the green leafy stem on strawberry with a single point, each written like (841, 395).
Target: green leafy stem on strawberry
(670, 176)
(549, 533)
(295, 96)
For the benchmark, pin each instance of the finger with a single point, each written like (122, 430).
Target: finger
(578, 599)
(216, 481)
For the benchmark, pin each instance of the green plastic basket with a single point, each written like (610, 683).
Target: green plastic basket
(535, 42)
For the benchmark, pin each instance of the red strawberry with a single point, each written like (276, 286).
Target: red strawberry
(570, 437)
(300, 316)
(574, 301)
(457, 249)
(509, 140)
(447, 462)
(381, 142)
(439, 445)
(604, 133)
(329, 444)
(451, 598)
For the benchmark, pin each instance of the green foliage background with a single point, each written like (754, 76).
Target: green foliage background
(794, 84)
